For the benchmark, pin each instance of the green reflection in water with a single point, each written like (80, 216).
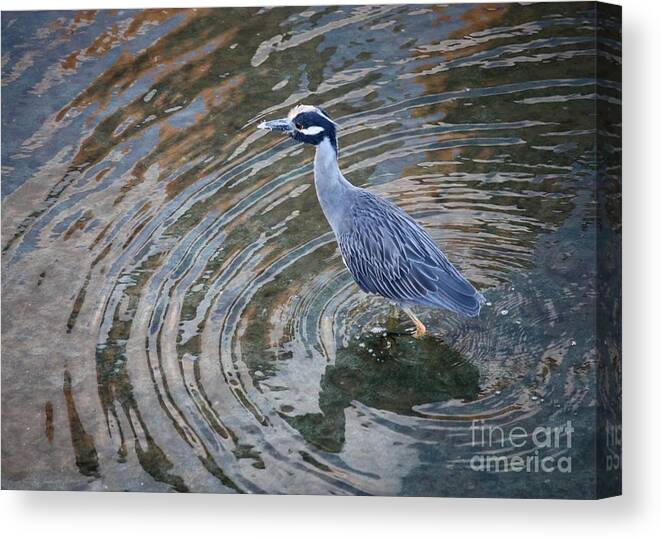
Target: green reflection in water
(385, 372)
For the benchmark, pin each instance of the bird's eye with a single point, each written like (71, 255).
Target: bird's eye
(298, 126)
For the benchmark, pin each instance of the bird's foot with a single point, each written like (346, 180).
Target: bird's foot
(420, 330)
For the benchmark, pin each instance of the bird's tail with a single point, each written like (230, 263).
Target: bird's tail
(472, 307)
(464, 304)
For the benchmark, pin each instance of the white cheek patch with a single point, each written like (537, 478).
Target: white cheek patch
(312, 130)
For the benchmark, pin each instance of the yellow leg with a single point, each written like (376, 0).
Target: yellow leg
(420, 329)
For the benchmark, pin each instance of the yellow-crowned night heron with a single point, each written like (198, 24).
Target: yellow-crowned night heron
(385, 250)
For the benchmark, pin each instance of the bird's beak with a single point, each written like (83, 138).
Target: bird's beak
(277, 125)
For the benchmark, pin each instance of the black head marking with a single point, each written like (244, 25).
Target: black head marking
(312, 125)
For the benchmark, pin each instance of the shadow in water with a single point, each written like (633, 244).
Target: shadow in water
(87, 458)
(386, 372)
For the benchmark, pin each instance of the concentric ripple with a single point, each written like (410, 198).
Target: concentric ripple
(174, 305)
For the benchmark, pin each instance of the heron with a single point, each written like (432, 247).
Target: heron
(386, 251)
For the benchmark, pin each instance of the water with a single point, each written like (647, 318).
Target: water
(176, 315)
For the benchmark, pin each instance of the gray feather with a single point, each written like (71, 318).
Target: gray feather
(389, 254)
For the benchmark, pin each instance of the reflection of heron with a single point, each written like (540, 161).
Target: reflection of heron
(386, 251)
(386, 374)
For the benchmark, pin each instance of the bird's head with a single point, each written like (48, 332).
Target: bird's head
(305, 123)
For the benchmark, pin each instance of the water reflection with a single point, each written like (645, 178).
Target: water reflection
(174, 262)
(386, 372)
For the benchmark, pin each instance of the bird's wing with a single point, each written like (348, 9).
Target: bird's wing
(391, 255)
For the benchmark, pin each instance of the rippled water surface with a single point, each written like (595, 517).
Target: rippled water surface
(176, 315)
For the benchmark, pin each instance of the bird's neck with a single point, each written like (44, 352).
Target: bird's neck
(331, 186)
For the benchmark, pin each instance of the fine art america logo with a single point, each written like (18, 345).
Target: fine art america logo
(545, 448)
